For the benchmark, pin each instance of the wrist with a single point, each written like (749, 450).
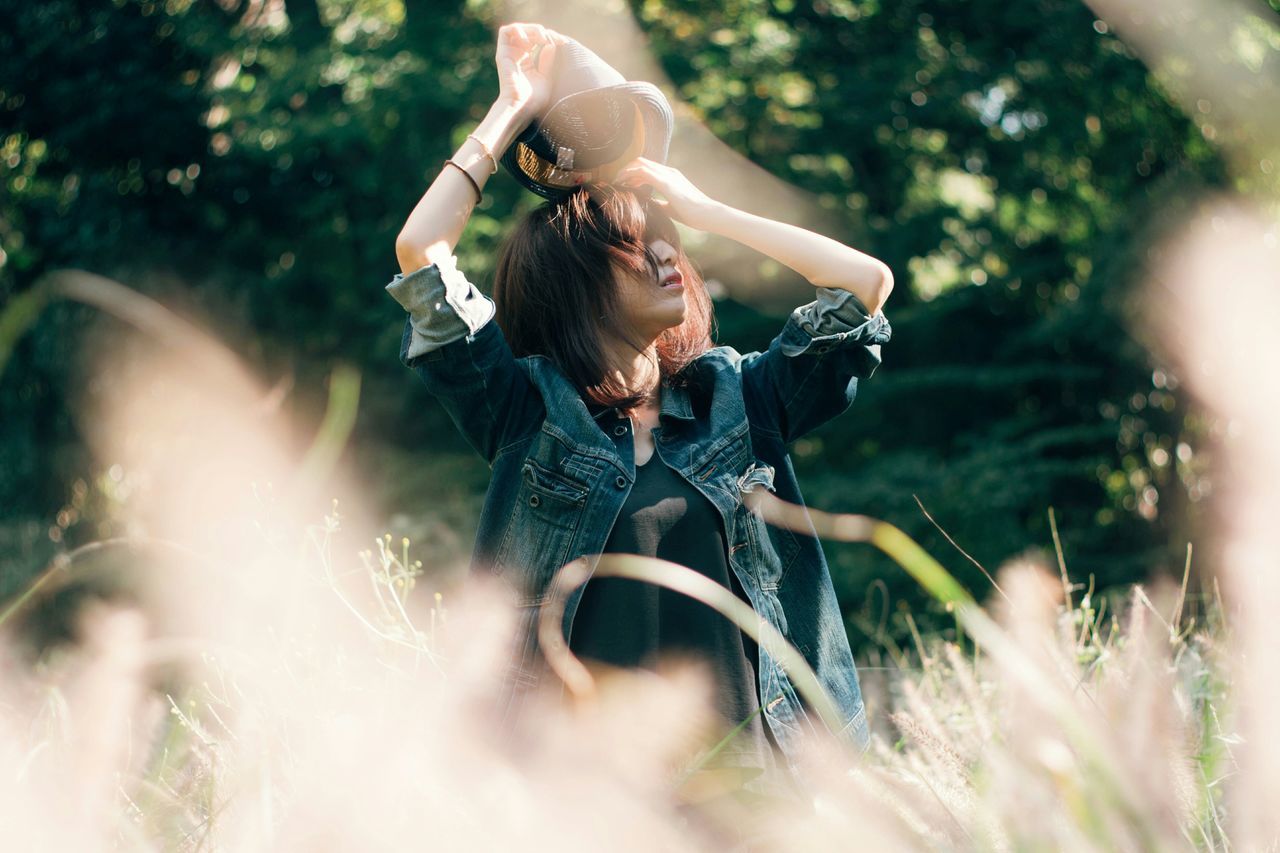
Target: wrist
(505, 120)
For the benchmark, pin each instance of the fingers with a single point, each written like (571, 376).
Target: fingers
(545, 47)
(516, 37)
(547, 58)
(530, 45)
(529, 34)
(644, 165)
(550, 35)
(641, 169)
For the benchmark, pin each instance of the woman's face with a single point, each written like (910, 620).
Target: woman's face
(651, 307)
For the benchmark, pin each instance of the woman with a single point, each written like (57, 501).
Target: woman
(591, 385)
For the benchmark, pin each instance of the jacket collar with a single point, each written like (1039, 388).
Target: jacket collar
(676, 403)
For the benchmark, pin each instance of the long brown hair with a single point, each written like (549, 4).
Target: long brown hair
(556, 290)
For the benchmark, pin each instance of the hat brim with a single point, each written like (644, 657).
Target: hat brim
(551, 180)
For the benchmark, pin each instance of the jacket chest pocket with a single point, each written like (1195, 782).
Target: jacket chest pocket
(722, 470)
(542, 529)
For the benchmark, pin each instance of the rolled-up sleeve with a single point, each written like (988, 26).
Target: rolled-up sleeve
(810, 372)
(453, 342)
(443, 305)
(836, 318)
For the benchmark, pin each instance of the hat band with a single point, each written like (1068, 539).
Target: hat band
(549, 174)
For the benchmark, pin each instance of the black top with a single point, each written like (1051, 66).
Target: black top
(627, 623)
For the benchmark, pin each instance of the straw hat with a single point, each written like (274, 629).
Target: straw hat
(596, 122)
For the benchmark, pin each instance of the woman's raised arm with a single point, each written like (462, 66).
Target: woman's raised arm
(435, 225)
(525, 55)
(450, 337)
(810, 372)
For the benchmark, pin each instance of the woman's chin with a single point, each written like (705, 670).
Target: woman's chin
(667, 318)
(676, 319)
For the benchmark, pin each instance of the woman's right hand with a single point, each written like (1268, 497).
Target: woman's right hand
(526, 54)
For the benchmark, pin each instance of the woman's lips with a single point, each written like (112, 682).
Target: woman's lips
(676, 282)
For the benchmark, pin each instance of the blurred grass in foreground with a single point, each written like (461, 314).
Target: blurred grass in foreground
(251, 683)
(1099, 732)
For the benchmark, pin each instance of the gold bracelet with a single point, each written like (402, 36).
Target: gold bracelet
(487, 152)
(474, 185)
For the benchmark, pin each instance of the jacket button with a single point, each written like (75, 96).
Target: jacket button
(622, 482)
(533, 500)
(619, 430)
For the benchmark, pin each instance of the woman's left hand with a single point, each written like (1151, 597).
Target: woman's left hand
(681, 200)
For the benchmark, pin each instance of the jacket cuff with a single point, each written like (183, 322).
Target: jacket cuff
(836, 318)
(443, 305)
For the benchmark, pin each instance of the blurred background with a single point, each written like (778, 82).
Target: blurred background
(250, 164)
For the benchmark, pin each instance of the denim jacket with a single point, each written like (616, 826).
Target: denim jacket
(562, 469)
